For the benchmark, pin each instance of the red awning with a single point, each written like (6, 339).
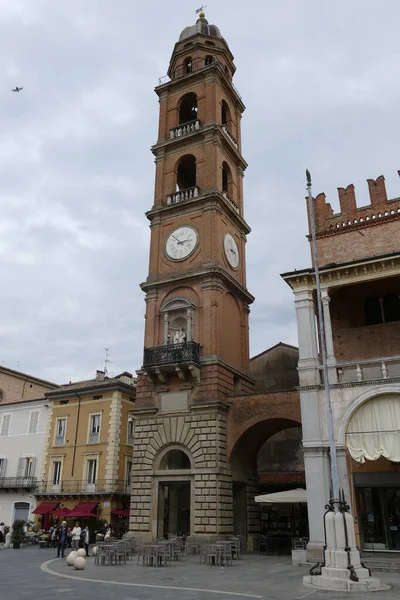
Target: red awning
(120, 512)
(83, 509)
(45, 507)
(61, 512)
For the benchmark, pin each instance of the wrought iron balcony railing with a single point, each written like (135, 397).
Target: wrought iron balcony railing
(184, 128)
(183, 195)
(170, 354)
(101, 486)
(18, 482)
(94, 438)
(59, 440)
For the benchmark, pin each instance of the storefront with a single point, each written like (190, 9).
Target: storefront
(373, 441)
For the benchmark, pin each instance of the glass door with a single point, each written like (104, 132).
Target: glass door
(392, 505)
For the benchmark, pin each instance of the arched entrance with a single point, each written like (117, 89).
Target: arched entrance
(174, 492)
(373, 443)
(253, 452)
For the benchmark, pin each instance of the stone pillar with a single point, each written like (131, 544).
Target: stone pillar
(316, 462)
(308, 354)
(189, 325)
(166, 327)
(330, 352)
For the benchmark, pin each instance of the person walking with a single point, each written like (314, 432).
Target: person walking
(76, 536)
(86, 538)
(2, 537)
(61, 539)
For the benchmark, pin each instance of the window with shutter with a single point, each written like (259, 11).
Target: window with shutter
(21, 466)
(5, 425)
(33, 422)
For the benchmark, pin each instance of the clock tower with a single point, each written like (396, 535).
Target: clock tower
(196, 347)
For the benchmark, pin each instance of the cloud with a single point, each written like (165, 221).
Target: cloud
(321, 82)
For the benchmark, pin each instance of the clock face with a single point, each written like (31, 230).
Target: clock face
(181, 243)
(231, 251)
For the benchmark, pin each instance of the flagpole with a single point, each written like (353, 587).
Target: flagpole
(320, 318)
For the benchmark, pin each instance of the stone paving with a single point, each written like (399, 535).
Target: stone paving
(36, 573)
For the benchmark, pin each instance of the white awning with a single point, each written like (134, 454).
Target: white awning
(374, 430)
(289, 497)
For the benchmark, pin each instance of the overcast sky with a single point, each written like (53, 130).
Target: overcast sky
(321, 82)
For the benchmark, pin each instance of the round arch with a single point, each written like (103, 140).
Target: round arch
(167, 458)
(344, 418)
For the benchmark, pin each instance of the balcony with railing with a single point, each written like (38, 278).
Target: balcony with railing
(183, 195)
(18, 483)
(59, 440)
(184, 129)
(77, 487)
(131, 439)
(172, 354)
(377, 369)
(231, 202)
(197, 64)
(230, 136)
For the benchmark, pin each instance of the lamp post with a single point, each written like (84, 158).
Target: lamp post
(341, 568)
(321, 326)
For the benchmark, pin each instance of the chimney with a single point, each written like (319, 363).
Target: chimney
(100, 375)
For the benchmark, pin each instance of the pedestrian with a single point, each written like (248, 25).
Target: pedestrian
(61, 539)
(2, 538)
(76, 536)
(86, 538)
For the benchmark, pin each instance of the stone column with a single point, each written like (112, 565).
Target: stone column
(316, 462)
(330, 352)
(189, 325)
(308, 354)
(166, 327)
(344, 483)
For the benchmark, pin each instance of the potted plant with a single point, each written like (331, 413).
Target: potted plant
(18, 533)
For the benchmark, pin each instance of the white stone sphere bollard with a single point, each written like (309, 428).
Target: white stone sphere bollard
(79, 563)
(81, 552)
(71, 557)
(94, 551)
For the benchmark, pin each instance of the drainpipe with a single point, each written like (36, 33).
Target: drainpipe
(76, 434)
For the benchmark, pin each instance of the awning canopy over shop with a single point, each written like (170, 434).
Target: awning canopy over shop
(61, 512)
(45, 507)
(120, 512)
(289, 497)
(374, 430)
(84, 509)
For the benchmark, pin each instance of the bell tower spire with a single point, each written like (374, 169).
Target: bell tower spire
(196, 348)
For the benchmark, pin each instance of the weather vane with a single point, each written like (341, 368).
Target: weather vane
(201, 9)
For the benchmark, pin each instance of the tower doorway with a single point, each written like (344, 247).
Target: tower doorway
(174, 508)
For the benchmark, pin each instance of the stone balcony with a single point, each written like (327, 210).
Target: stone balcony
(182, 359)
(230, 136)
(18, 483)
(183, 195)
(371, 370)
(184, 129)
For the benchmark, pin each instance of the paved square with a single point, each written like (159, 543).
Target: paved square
(35, 573)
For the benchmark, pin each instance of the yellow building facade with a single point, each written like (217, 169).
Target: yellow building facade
(86, 468)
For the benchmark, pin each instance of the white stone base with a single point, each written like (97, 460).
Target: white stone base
(323, 582)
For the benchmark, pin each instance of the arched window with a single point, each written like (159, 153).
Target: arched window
(175, 460)
(188, 63)
(373, 311)
(391, 307)
(226, 115)
(186, 173)
(209, 59)
(188, 108)
(178, 317)
(226, 179)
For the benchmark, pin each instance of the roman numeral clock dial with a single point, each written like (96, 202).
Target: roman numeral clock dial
(231, 251)
(181, 243)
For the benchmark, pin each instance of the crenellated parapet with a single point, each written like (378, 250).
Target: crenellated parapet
(351, 216)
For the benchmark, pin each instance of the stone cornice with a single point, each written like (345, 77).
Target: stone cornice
(348, 227)
(215, 200)
(211, 270)
(175, 144)
(350, 384)
(345, 273)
